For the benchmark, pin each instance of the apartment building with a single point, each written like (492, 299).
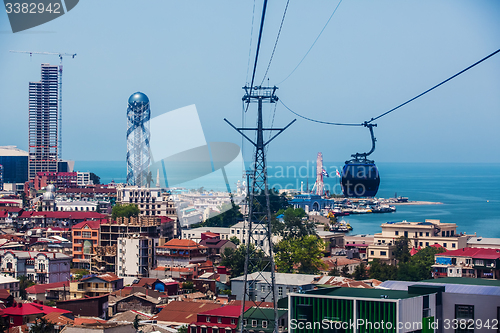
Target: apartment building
(95, 285)
(40, 267)
(468, 262)
(419, 234)
(180, 253)
(136, 256)
(85, 239)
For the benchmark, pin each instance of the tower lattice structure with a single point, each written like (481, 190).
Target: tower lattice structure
(259, 257)
(138, 136)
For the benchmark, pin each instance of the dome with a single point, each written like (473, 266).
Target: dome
(48, 196)
(139, 98)
(50, 188)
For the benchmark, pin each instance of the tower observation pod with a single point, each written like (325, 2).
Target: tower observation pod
(138, 154)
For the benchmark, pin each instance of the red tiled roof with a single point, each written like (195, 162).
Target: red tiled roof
(184, 312)
(4, 294)
(26, 309)
(58, 318)
(252, 304)
(41, 288)
(437, 246)
(71, 215)
(110, 277)
(185, 244)
(92, 225)
(233, 311)
(144, 281)
(82, 321)
(19, 329)
(472, 252)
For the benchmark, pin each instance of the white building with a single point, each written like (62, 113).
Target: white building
(41, 267)
(195, 234)
(240, 230)
(76, 206)
(136, 256)
(11, 284)
(83, 179)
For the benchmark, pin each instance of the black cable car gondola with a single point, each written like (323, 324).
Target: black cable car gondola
(360, 176)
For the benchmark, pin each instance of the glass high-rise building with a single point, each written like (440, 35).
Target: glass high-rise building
(43, 122)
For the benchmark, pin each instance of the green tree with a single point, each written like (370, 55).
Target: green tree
(24, 283)
(402, 251)
(42, 325)
(360, 272)
(235, 240)
(294, 226)
(127, 210)
(235, 259)
(95, 178)
(79, 273)
(381, 271)
(334, 272)
(304, 253)
(345, 271)
(188, 285)
(136, 323)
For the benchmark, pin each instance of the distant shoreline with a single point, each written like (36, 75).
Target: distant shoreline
(416, 203)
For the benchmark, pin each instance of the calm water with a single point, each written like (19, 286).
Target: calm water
(470, 193)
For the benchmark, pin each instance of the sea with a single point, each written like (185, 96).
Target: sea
(469, 193)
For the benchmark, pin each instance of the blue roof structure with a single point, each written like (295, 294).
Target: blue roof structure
(139, 98)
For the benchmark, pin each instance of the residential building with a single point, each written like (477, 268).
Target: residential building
(40, 267)
(456, 299)
(259, 238)
(15, 164)
(180, 253)
(363, 310)
(137, 302)
(83, 179)
(419, 234)
(136, 256)
(259, 284)
(85, 239)
(24, 313)
(58, 179)
(11, 284)
(183, 312)
(221, 320)
(468, 262)
(332, 240)
(150, 201)
(339, 262)
(49, 291)
(78, 206)
(262, 320)
(484, 243)
(215, 248)
(95, 285)
(195, 234)
(96, 306)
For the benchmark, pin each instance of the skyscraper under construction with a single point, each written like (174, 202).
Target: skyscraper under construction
(43, 122)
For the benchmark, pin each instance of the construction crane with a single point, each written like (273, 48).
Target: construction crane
(61, 55)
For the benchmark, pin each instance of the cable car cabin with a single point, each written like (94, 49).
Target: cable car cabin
(360, 179)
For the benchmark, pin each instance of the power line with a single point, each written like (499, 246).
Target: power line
(397, 107)
(276, 42)
(250, 48)
(300, 62)
(437, 85)
(264, 7)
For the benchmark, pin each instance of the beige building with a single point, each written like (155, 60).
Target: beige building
(95, 286)
(419, 234)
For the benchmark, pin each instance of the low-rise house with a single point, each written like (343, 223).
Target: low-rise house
(183, 312)
(11, 284)
(180, 253)
(138, 302)
(6, 299)
(49, 291)
(484, 242)
(41, 267)
(23, 313)
(90, 306)
(332, 240)
(108, 327)
(468, 262)
(262, 320)
(95, 285)
(340, 262)
(222, 320)
(60, 320)
(169, 286)
(216, 247)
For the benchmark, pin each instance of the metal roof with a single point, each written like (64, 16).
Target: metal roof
(454, 288)
(362, 293)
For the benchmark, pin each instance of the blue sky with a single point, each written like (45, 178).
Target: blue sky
(374, 55)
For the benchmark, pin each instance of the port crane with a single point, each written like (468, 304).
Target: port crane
(61, 55)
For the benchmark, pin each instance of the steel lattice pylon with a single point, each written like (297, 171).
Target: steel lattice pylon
(259, 246)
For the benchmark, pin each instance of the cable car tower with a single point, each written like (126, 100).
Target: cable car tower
(61, 55)
(259, 247)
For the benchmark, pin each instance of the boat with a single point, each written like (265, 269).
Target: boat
(341, 226)
(383, 209)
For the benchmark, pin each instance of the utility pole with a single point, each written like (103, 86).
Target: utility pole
(259, 246)
(61, 55)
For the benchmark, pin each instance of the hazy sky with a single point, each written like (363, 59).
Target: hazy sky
(373, 55)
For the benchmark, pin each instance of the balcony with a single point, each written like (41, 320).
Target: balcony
(7, 269)
(38, 270)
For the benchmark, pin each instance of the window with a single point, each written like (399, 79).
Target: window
(383, 253)
(445, 245)
(464, 313)
(453, 245)
(219, 320)
(254, 323)
(238, 231)
(193, 329)
(406, 233)
(426, 243)
(86, 234)
(372, 252)
(442, 233)
(233, 321)
(420, 244)
(421, 234)
(264, 324)
(479, 262)
(467, 261)
(396, 233)
(208, 319)
(280, 291)
(262, 287)
(203, 330)
(215, 330)
(427, 234)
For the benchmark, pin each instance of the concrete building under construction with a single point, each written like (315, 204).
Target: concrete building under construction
(43, 122)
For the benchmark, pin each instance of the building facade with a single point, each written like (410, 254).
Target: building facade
(468, 262)
(136, 256)
(40, 267)
(43, 122)
(85, 239)
(180, 253)
(15, 164)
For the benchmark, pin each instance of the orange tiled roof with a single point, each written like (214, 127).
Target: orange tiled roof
(185, 244)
